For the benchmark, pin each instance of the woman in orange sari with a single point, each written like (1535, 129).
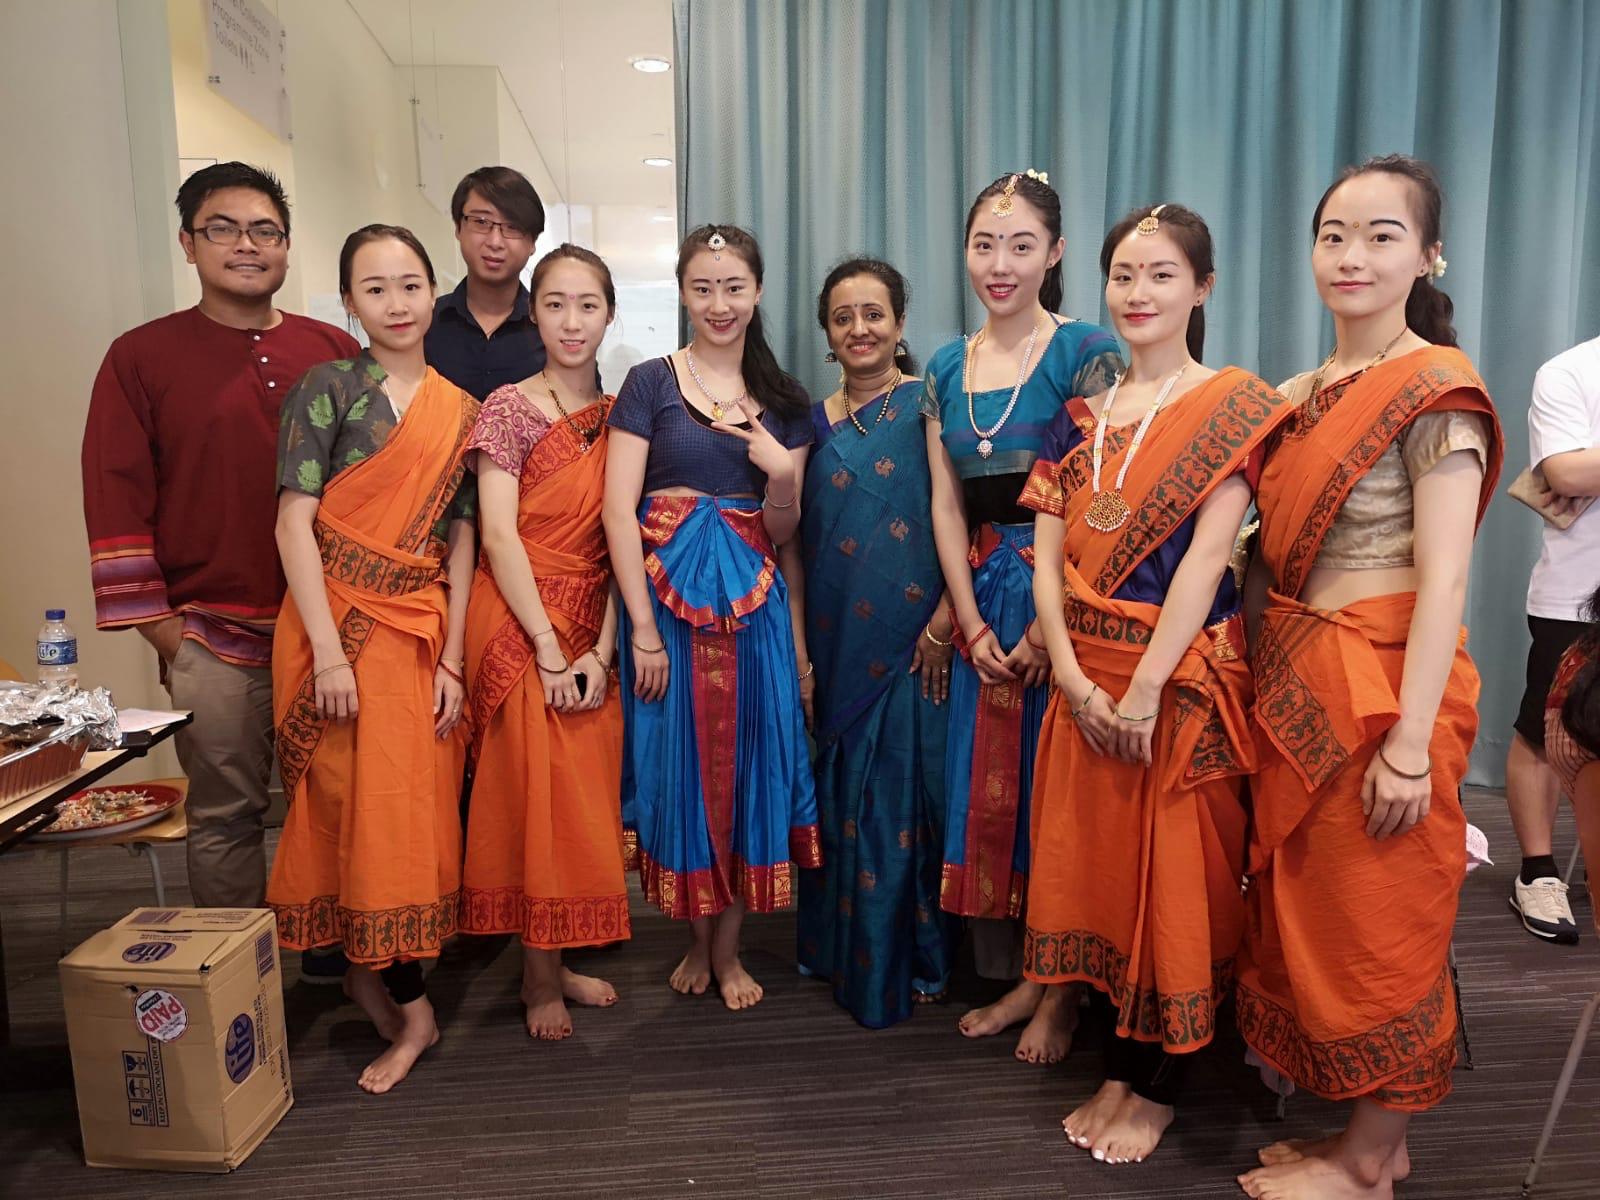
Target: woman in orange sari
(375, 530)
(544, 832)
(1365, 696)
(1138, 830)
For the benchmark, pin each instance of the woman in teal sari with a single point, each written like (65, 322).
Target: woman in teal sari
(878, 673)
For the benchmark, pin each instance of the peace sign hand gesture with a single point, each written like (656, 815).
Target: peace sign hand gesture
(767, 454)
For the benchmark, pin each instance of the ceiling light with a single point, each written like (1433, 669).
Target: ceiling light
(650, 65)
(656, 161)
(662, 217)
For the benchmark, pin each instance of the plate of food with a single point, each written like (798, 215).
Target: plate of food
(117, 808)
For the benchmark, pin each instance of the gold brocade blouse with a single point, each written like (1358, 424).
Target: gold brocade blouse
(1374, 528)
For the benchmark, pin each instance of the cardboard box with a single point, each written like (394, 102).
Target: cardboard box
(178, 1051)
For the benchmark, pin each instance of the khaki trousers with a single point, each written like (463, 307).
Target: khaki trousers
(227, 754)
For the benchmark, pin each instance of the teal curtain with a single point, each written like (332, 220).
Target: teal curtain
(831, 127)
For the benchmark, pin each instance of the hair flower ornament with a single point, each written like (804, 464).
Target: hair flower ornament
(1436, 268)
(1041, 176)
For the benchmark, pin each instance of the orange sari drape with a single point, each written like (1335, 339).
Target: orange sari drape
(1134, 883)
(544, 833)
(371, 848)
(1343, 983)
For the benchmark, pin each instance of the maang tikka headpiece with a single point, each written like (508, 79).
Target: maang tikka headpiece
(1148, 226)
(716, 242)
(1004, 205)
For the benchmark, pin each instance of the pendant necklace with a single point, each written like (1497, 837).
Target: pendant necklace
(1108, 510)
(717, 406)
(1313, 409)
(587, 437)
(986, 436)
(844, 390)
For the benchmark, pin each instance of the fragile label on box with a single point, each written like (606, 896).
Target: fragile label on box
(146, 1086)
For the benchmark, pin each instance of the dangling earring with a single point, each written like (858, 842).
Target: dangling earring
(902, 347)
(830, 357)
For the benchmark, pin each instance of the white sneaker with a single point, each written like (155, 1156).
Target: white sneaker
(1544, 910)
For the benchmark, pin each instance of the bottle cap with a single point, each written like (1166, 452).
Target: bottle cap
(55, 614)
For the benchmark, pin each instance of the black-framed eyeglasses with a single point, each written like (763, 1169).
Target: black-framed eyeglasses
(483, 226)
(263, 236)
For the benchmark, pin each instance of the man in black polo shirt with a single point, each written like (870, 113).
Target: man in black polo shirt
(483, 335)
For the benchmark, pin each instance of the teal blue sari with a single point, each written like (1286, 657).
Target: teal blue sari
(870, 920)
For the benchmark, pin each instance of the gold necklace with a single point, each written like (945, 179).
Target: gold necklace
(587, 436)
(1313, 410)
(844, 390)
(1107, 509)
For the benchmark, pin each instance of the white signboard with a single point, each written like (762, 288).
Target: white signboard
(245, 46)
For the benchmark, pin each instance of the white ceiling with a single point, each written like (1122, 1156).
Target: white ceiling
(566, 64)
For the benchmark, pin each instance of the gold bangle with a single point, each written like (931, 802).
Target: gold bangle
(335, 667)
(1093, 688)
(810, 668)
(927, 632)
(1122, 716)
(1426, 772)
(561, 670)
(634, 642)
(766, 498)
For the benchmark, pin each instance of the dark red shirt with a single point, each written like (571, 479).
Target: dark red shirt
(179, 475)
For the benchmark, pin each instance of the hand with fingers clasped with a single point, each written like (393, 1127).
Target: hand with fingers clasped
(334, 684)
(1029, 661)
(596, 674)
(987, 659)
(1397, 790)
(560, 683)
(1134, 730)
(449, 697)
(932, 657)
(1094, 712)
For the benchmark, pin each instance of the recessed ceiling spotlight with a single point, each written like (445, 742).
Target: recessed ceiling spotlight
(656, 161)
(650, 65)
(663, 218)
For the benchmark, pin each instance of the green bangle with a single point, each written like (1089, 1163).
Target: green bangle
(1093, 688)
(1122, 716)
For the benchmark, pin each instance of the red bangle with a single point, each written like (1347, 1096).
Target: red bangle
(451, 671)
(1027, 632)
(966, 650)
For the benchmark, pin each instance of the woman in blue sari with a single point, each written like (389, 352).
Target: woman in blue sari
(706, 454)
(988, 400)
(879, 666)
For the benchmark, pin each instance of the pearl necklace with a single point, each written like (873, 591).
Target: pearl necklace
(1108, 511)
(717, 407)
(986, 436)
(844, 390)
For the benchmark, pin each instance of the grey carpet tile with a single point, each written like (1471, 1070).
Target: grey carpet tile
(665, 1096)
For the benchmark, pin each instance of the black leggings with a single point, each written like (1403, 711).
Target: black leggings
(404, 981)
(1144, 1066)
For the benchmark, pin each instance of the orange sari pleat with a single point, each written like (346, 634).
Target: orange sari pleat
(545, 856)
(1134, 883)
(371, 848)
(1343, 982)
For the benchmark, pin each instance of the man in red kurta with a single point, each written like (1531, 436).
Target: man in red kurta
(179, 495)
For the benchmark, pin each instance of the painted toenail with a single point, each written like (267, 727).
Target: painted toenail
(1100, 1156)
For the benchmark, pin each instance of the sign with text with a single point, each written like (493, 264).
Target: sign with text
(245, 48)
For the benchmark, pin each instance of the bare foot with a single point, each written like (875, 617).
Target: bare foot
(738, 988)
(693, 975)
(1294, 1149)
(363, 985)
(419, 1031)
(1015, 1006)
(1314, 1177)
(1133, 1132)
(1084, 1123)
(587, 990)
(928, 997)
(1048, 1037)
(547, 1015)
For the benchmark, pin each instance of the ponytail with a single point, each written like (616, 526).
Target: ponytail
(1430, 312)
(1196, 335)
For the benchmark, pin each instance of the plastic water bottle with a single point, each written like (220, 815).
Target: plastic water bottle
(58, 650)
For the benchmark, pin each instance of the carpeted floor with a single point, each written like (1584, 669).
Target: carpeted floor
(667, 1096)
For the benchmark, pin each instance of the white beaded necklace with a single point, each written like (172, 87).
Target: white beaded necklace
(1108, 510)
(985, 436)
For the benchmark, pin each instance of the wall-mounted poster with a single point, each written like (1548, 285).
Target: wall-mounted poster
(245, 49)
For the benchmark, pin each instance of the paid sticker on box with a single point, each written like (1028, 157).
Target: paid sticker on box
(160, 1015)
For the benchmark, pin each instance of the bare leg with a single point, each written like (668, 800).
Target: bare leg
(693, 975)
(1015, 1006)
(418, 1032)
(547, 1016)
(1048, 1037)
(1358, 1167)
(738, 989)
(1532, 794)
(363, 985)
